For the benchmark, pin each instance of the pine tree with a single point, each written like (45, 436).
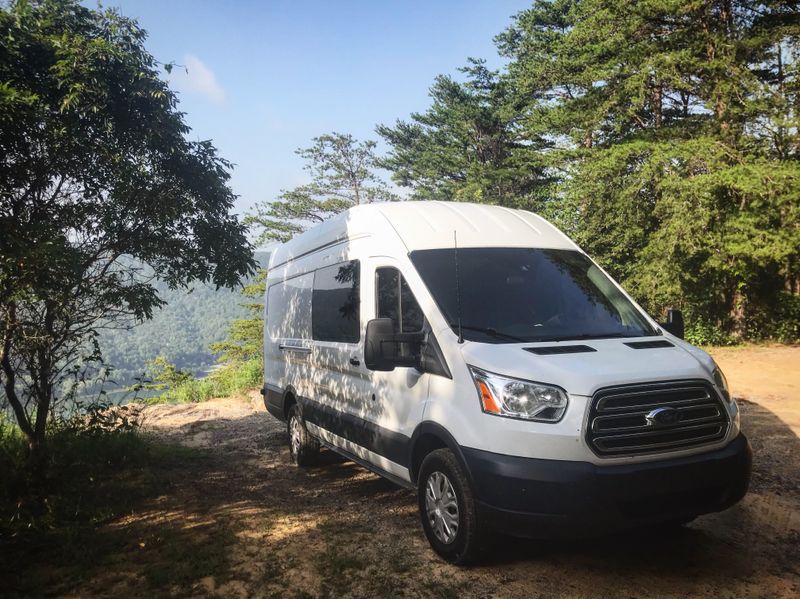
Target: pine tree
(676, 132)
(343, 175)
(465, 146)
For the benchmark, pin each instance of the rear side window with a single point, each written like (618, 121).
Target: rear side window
(335, 304)
(289, 308)
(395, 301)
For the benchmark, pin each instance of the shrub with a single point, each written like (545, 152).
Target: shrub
(699, 332)
(233, 378)
(82, 451)
(779, 321)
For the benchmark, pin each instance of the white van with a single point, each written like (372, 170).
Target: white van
(476, 354)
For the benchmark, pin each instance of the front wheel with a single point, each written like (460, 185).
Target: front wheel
(447, 508)
(303, 448)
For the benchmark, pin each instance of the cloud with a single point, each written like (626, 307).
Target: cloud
(197, 78)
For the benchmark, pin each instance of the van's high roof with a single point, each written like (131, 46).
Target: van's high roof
(428, 225)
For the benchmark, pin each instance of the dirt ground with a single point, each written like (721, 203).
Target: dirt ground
(263, 528)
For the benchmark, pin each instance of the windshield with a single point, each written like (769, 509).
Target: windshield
(513, 295)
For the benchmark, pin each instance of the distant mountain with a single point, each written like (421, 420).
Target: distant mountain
(181, 331)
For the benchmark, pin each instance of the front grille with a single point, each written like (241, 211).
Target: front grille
(654, 417)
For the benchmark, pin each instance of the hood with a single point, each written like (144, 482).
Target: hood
(612, 363)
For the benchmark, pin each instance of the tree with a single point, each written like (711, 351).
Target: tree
(663, 135)
(676, 128)
(246, 335)
(96, 179)
(342, 176)
(465, 146)
(163, 375)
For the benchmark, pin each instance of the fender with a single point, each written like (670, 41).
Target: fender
(437, 430)
(275, 400)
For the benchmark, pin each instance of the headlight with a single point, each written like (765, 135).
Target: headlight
(721, 382)
(515, 398)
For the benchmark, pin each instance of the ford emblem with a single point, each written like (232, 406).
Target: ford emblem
(663, 417)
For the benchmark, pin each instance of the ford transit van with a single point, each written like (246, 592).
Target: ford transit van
(475, 354)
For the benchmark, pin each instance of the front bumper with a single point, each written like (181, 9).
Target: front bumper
(550, 498)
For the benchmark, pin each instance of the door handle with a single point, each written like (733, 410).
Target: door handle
(355, 361)
(295, 348)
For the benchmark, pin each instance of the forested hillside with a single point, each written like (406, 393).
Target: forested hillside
(181, 331)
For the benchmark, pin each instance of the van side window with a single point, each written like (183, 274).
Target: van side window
(395, 301)
(289, 308)
(335, 303)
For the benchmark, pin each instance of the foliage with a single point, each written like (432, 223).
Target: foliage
(230, 379)
(84, 447)
(664, 137)
(240, 362)
(466, 146)
(245, 339)
(342, 172)
(95, 170)
(241, 359)
(182, 331)
(95, 474)
(164, 375)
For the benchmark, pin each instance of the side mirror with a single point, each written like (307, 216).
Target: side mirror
(385, 350)
(379, 333)
(674, 323)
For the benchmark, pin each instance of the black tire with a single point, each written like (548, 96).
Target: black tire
(303, 447)
(468, 539)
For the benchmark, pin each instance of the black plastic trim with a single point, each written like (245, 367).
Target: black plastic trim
(369, 465)
(649, 344)
(597, 397)
(428, 427)
(274, 398)
(542, 498)
(392, 445)
(550, 350)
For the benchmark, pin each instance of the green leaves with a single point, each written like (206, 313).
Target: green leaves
(661, 134)
(342, 172)
(465, 147)
(95, 170)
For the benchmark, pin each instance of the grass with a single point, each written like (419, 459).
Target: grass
(226, 381)
(56, 533)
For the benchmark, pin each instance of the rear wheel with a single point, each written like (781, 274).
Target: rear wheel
(447, 508)
(303, 447)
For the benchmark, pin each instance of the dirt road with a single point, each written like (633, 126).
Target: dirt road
(244, 522)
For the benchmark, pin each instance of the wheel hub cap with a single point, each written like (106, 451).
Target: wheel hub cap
(295, 435)
(441, 507)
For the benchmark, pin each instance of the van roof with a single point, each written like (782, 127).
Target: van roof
(428, 225)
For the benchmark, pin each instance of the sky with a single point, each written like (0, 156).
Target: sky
(264, 78)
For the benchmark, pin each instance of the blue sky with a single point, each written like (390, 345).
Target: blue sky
(266, 77)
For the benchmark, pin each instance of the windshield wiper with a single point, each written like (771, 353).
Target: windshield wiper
(491, 332)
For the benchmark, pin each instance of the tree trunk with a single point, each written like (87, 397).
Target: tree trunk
(658, 92)
(9, 386)
(10, 375)
(737, 314)
(44, 386)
